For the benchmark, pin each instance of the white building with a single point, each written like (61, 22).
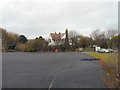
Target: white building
(56, 38)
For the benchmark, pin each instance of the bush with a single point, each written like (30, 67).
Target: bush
(21, 47)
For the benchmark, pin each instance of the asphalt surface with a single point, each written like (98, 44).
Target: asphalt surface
(51, 70)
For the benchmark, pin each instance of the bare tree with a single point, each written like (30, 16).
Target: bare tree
(95, 34)
(111, 33)
(73, 37)
(99, 38)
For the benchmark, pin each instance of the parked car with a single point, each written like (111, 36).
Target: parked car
(100, 51)
(110, 50)
(103, 50)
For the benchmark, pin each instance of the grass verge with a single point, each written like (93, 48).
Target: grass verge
(109, 61)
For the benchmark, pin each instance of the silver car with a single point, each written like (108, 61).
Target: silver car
(103, 50)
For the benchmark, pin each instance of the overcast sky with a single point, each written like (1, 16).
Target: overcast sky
(35, 18)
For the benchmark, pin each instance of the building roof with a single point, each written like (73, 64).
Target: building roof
(57, 36)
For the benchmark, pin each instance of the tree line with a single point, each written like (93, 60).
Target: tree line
(12, 41)
(104, 39)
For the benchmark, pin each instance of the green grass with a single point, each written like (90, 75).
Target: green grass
(108, 58)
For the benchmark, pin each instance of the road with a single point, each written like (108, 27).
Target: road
(51, 70)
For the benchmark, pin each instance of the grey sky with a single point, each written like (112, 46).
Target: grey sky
(36, 17)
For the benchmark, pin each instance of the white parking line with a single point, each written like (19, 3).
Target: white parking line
(51, 84)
